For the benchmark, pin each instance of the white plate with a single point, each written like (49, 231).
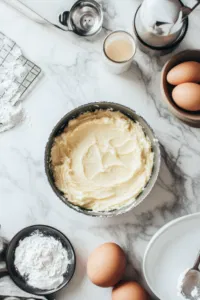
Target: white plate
(172, 249)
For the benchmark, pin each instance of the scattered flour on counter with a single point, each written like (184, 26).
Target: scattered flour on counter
(12, 73)
(16, 75)
(8, 288)
(42, 261)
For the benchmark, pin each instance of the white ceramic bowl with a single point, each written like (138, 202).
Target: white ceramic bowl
(171, 251)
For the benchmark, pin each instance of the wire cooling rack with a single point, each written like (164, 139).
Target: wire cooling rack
(7, 51)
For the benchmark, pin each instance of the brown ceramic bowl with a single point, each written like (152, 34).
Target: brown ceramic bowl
(190, 118)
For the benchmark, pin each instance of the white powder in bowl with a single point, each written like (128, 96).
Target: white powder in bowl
(42, 261)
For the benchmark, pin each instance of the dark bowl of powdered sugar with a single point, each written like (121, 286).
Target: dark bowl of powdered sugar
(40, 260)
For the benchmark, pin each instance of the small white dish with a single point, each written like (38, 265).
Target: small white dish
(170, 252)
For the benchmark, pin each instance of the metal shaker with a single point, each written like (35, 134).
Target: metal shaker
(85, 18)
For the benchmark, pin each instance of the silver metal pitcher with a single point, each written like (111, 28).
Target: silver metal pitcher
(162, 24)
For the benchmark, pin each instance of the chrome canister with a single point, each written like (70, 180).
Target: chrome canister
(85, 18)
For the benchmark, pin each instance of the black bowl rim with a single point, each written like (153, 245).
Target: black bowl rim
(58, 128)
(12, 246)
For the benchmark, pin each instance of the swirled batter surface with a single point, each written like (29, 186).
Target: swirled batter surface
(102, 160)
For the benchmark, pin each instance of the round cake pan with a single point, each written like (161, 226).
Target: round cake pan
(58, 129)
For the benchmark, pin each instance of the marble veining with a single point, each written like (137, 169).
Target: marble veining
(74, 74)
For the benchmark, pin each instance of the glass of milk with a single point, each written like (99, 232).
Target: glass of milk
(119, 48)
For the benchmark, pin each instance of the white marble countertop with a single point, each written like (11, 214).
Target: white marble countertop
(73, 74)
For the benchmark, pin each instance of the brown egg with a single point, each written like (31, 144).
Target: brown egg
(106, 265)
(130, 290)
(188, 71)
(187, 96)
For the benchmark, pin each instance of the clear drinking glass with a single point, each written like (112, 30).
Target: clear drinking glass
(119, 48)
